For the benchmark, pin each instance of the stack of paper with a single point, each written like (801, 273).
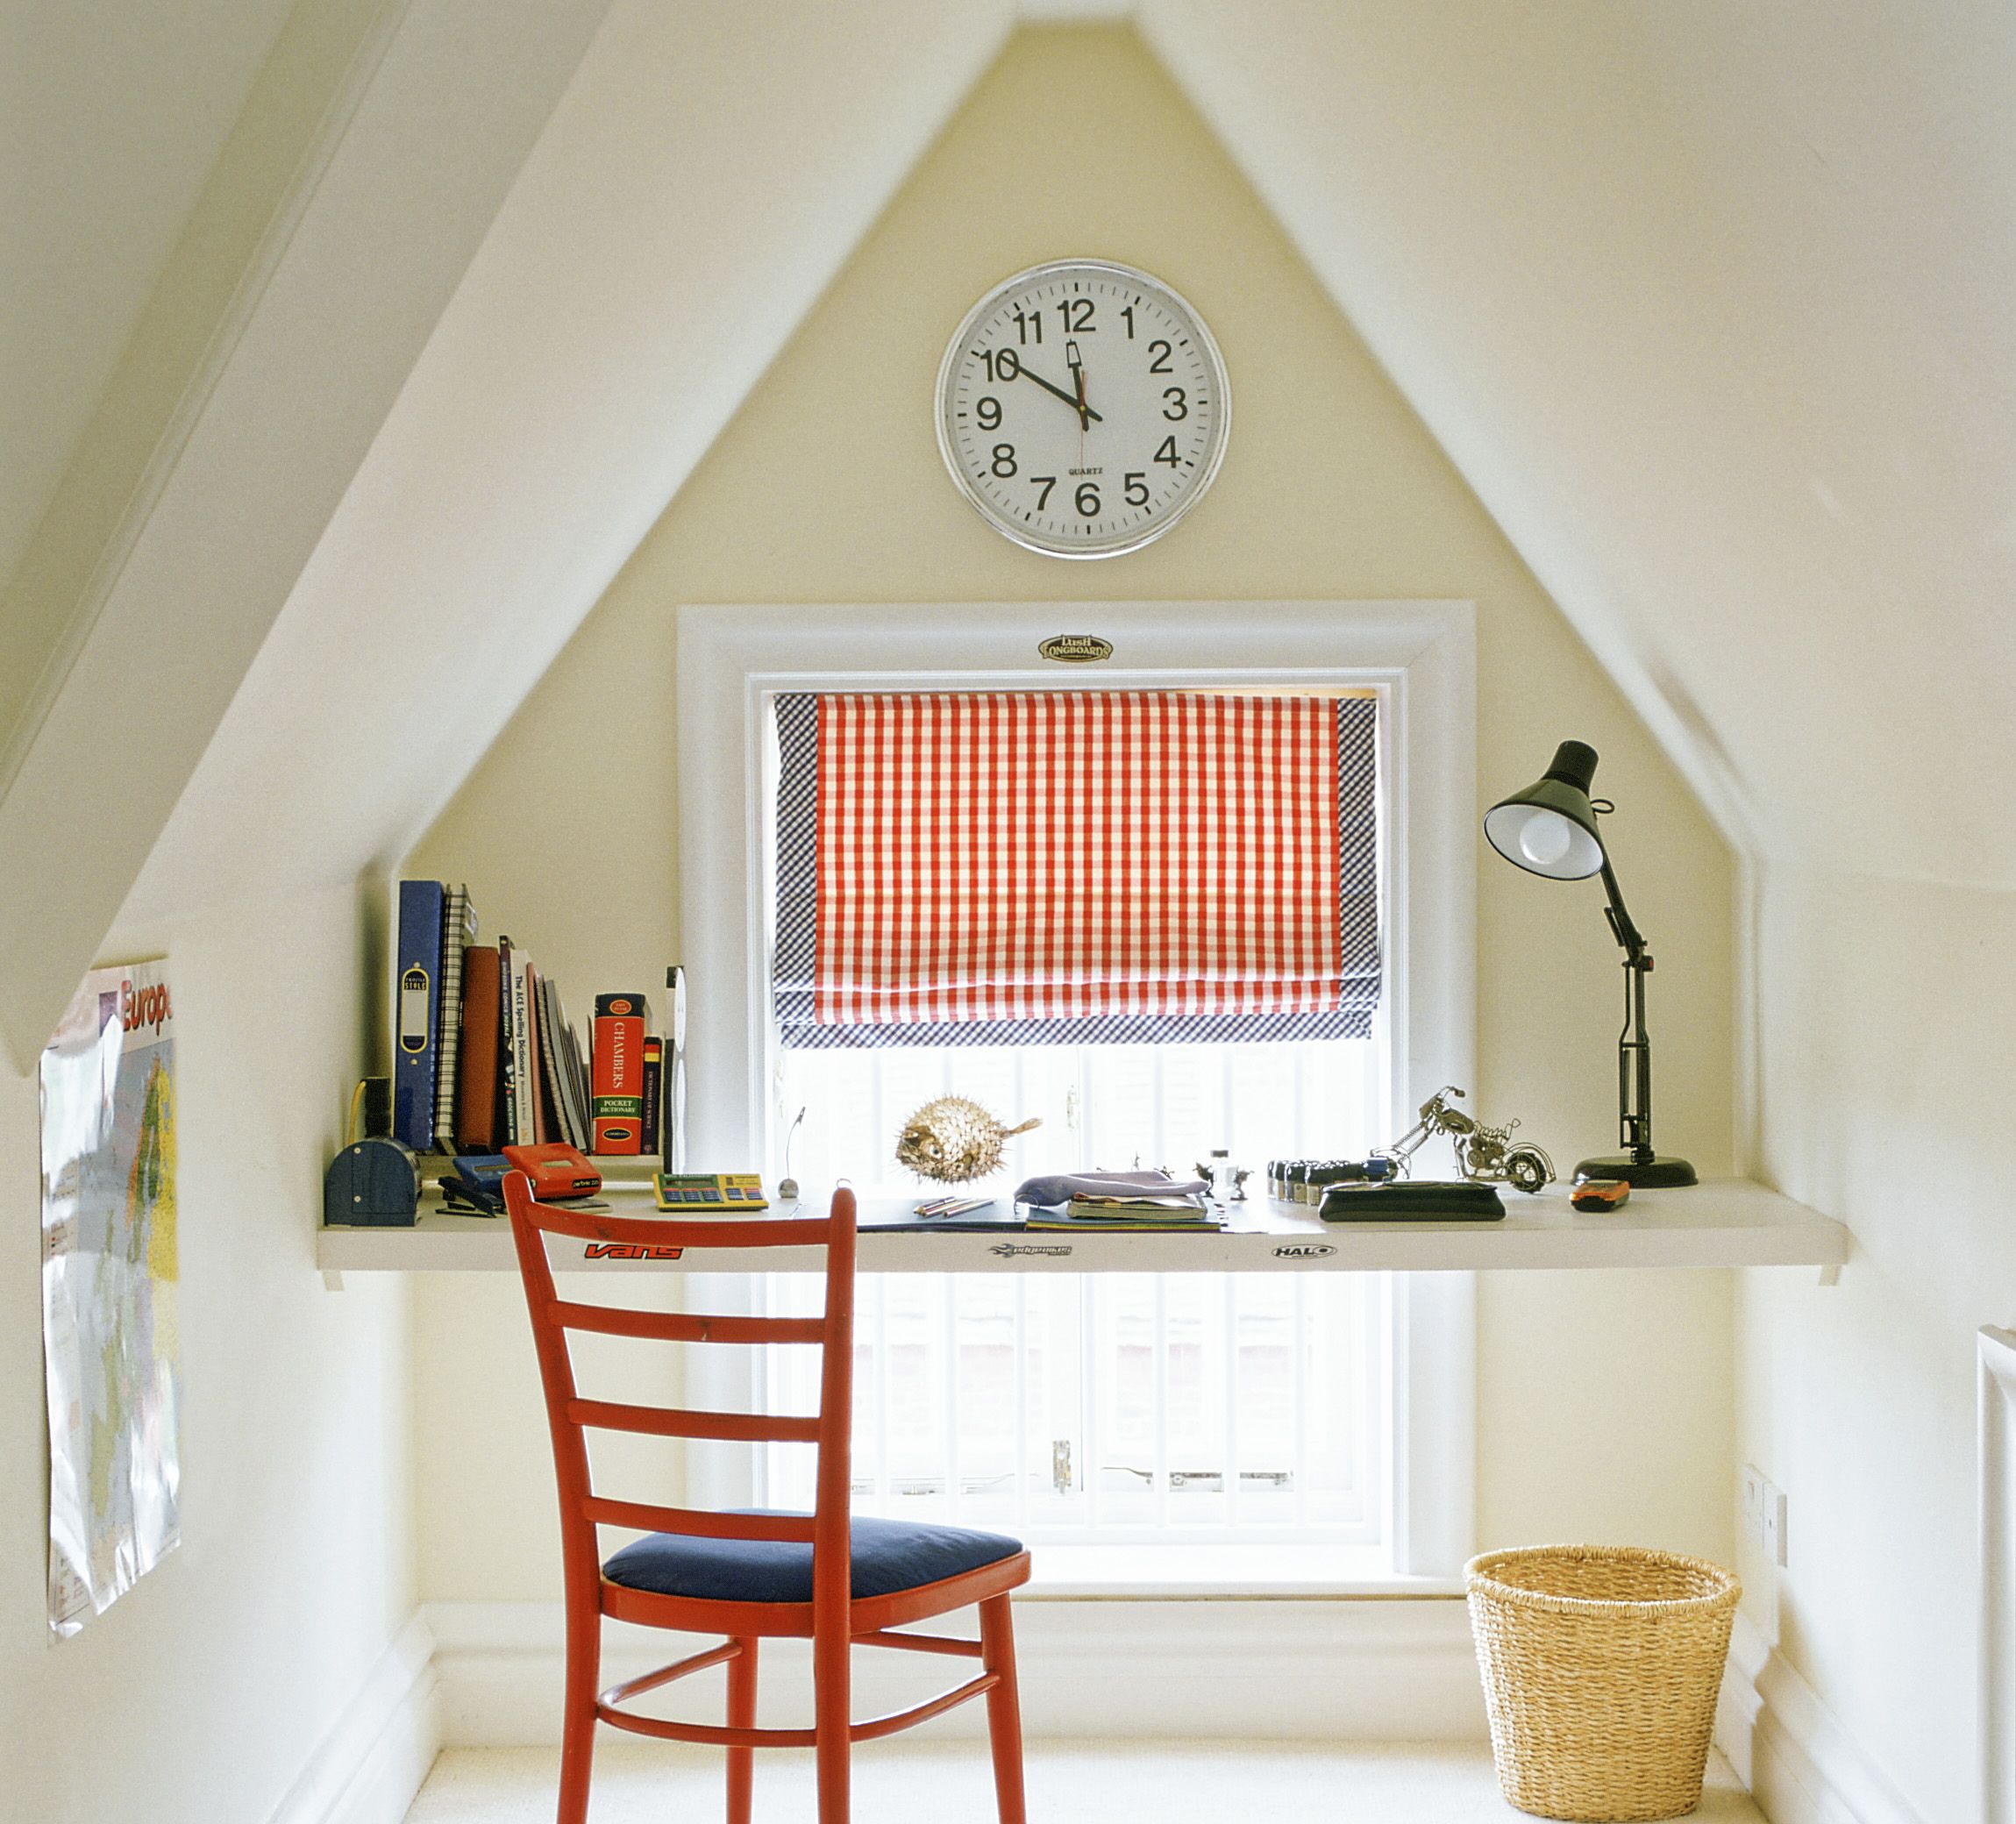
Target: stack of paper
(1142, 1211)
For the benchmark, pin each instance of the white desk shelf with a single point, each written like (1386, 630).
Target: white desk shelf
(1724, 1222)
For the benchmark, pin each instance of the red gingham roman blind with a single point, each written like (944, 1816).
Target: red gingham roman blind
(1056, 865)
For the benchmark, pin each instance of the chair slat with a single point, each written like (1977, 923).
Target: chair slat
(876, 1728)
(871, 1730)
(674, 1421)
(922, 1643)
(711, 1734)
(687, 1327)
(699, 1522)
(679, 1669)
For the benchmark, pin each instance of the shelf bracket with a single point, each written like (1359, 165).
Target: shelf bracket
(1830, 1274)
(332, 1279)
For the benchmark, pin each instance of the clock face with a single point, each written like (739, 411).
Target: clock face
(1082, 407)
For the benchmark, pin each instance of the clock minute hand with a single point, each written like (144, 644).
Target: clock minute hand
(1078, 380)
(1069, 399)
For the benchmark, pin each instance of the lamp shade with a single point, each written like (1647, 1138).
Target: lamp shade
(1551, 827)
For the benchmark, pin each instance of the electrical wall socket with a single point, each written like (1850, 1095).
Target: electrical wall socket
(1774, 1540)
(1753, 1489)
(1764, 1506)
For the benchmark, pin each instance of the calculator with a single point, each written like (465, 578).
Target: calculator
(700, 1192)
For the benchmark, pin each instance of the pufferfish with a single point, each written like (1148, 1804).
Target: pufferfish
(954, 1141)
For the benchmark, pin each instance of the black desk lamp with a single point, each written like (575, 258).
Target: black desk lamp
(1549, 829)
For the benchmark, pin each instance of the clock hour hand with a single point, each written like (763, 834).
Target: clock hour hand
(1068, 398)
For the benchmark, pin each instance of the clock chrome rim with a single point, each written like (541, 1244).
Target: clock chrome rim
(1214, 359)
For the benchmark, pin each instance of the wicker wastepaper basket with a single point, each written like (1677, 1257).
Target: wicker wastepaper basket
(1601, 1666)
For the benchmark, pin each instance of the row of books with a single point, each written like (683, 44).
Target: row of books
(486, 1056)
(1143, 1211)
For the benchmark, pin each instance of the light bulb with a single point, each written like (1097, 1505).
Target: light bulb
(1545, 837)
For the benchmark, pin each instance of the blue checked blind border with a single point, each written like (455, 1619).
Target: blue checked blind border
(794, 965)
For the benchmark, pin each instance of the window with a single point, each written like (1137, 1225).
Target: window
(1143, 917)
(1188, 1409)
(1309, 1408)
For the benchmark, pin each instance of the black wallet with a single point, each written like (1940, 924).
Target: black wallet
(1408, 1202)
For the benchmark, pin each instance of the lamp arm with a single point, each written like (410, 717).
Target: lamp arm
(1634, 1043)
(1626, 932)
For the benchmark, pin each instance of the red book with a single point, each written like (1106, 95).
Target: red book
(620, 1022)
(476, 1058)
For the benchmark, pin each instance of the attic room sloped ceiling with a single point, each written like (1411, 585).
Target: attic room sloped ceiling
(79, 99)
(1707, 301)
(332, 304)
(1710, 304)
(486, 359)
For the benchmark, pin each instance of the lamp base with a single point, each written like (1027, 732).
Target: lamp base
(1664, 1173)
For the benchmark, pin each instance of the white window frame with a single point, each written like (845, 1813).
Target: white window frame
(1421, 655)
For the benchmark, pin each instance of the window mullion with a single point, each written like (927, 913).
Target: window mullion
(1018, 1458)
(1299, 1383)
(947, 1287)
(1093, 1383)
(1160, 1359)
(885, 1488)
(1233, 1455)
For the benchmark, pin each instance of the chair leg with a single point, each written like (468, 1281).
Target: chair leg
(1004, 1707)
(578, 1722)
(741, 1715)
(830, 1699)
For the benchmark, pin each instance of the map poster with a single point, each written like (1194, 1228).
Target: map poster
(109, 1286)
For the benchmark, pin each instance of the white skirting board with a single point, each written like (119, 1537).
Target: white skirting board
(1344, 1669)
(1799, 1763)
(372, 1762)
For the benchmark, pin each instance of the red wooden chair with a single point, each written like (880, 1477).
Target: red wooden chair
(749, 1575)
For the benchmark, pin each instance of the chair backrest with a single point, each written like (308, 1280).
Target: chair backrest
(571, 1417)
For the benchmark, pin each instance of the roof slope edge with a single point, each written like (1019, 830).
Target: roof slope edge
(1708, 304)
(653, 257)
(390, 222)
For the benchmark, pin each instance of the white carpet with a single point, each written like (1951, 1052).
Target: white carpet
(931, 1783)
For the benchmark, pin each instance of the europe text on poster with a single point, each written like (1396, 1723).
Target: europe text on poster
(109, 1286)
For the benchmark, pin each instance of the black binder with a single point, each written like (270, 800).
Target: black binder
(1408, 1202)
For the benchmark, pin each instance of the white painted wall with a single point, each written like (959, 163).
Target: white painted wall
(1709, 302)
(199, 1696)
(1605, 1400)
(1886, 1079)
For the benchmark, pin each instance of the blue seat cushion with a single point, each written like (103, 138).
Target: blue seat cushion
(888, 1555)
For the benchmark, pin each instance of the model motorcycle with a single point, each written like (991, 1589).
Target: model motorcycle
(1484, 1155)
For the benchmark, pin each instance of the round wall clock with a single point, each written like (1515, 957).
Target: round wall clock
(1082, 407)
